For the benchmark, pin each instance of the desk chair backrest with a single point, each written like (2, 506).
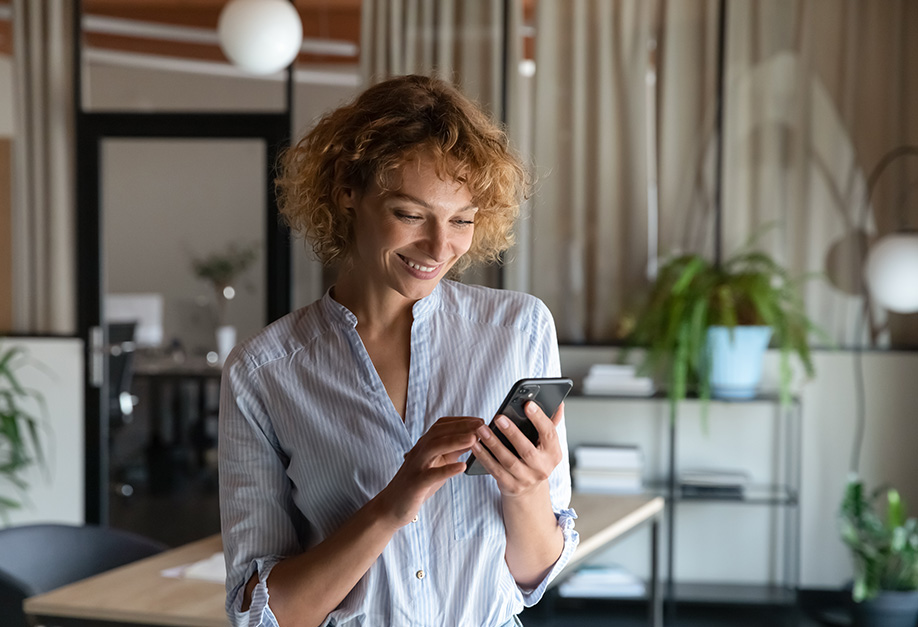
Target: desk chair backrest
(120, 369)
(40, 558)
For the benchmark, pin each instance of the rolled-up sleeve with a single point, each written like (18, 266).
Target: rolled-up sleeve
(545, 351)
(259, 521)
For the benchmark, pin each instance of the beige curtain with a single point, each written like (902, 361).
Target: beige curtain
(597, 146)
(461, 41)
(44, 239)
(816, 91)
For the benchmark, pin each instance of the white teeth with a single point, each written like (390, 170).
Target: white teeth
(417, 266)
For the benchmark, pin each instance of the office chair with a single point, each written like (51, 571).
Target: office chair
(120, 371)
(40, 558)
(121, 401)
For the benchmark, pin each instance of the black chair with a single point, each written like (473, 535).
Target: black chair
(125, 471)
(40, 558)
(120, 372)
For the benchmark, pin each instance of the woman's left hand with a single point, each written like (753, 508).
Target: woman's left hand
(518, 476)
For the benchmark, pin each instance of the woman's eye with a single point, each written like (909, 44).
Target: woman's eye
(407, 217)
(464, 222)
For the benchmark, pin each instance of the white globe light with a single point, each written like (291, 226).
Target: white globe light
(260, 36)
(892, 272)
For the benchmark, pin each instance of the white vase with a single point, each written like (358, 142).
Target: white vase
(226, 340)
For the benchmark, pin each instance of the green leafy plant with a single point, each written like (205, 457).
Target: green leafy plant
(222, 269)
(885, 552)
(20, 444)
(692, 294)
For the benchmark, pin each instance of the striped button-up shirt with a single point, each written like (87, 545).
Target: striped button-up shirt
(308, 435)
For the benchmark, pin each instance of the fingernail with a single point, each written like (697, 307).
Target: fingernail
(502, 422)
(484, 433)
(530, 407)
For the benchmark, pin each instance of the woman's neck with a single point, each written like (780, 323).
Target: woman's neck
(377, 311)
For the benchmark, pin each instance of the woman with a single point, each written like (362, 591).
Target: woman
(344, 425)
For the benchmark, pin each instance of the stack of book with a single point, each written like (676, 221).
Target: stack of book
(607, 469)
(617, 380)
(602, 582)
(713, 483)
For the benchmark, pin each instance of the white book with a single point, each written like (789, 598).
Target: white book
(613, 370)
(621, 386)
(608, 457)
(714, 477)
(606, 485)
(600, 473)
(602, 582)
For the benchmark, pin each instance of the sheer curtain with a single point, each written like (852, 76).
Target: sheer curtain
(44, 235)
(820, 90)
(815, 92)
(475, 44)
(617, 120)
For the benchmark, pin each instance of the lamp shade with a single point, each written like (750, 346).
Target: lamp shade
(260, 36)
(892, 272)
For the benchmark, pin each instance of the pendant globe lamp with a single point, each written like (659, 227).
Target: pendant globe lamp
(260, 36)
(891, 269)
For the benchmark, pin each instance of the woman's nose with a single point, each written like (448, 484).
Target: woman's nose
(437, 241)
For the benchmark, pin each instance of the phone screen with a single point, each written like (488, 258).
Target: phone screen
(546, 393)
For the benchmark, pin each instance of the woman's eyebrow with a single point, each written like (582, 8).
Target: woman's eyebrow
(423, 203)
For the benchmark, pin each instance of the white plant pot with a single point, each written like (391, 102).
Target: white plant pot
(226, 340)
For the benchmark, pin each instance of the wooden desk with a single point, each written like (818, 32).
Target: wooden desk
(603, 519)
(137, 594)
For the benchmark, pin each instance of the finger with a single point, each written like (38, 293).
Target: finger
(456, 422)
(503, 455)
(429, 448)
(494, 468)
(544, 425)
(437, 474)
(517, 438)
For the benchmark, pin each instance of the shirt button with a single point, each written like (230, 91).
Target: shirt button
(419, 574)
(415, 519)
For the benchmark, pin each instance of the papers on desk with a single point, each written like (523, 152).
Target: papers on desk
(602, 582)
(211, 569)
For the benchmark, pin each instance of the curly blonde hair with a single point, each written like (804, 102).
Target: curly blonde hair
(389, 124)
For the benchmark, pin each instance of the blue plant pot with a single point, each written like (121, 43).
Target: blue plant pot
(736, 356)
(888, 609)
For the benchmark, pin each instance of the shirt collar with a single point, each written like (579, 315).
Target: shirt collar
(342, 315)
(337, 312)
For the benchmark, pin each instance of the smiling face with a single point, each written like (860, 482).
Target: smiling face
(406, 239)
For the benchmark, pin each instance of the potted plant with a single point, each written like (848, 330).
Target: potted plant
(885, 555)
(20, 445)
(697, 308)
(221, 270)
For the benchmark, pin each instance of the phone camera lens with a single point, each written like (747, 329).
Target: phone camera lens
(524, 391)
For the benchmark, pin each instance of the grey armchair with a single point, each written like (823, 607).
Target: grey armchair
(40, 558)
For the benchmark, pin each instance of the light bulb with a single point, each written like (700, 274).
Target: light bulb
(260, 36)
(892, 272)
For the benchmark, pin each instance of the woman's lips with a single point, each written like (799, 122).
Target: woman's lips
(420, 270)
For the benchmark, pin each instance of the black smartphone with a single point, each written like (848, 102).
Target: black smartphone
(546, 393)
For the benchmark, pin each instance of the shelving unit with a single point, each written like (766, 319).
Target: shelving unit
(780, 498)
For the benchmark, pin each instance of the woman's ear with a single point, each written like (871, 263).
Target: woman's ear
(346, 198)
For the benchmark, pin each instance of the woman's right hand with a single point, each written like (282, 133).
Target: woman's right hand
(432, 460)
